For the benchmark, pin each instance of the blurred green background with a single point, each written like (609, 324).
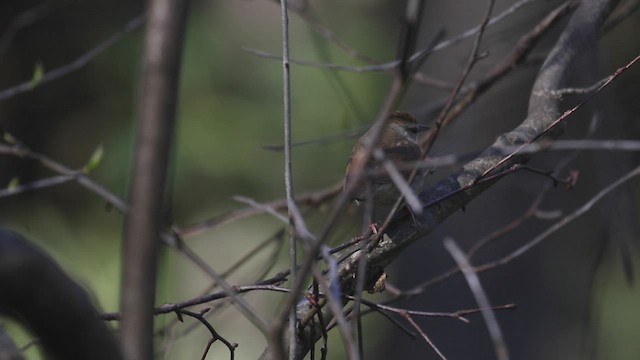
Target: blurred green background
(231, 107)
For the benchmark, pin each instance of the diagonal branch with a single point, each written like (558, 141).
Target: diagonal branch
(75, 65)
(543, 111)
(581, 31)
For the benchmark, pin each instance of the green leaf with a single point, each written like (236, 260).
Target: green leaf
(13, 183)
(8, 138)
(94, 160)
(38, 74)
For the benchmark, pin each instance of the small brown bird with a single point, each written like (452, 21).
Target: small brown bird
(400, 145)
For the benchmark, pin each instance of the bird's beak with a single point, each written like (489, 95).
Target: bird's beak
(418, 128)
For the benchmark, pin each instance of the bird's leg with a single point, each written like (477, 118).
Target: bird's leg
(413, 216)
(373, 226)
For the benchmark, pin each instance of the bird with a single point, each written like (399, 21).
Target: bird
(399, 145)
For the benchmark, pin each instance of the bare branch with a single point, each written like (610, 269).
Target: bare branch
(22, 20)
(581, 30)
(75, 65)
(502, 353)
(424, 335)
(18, 149)
(390, 66)
(156, 112)
(48, 302)
(214, 334)
(35, 185)
(563, 222)
(312, 199)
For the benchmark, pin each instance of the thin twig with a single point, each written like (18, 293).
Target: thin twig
(294, 215)
(391, 65)
(623, 11)
(509, 62)
(580, 32)
(560, 224)
(430, 139)
(312, 199)
(502, 353)
(214, 334)
(170, 308)
(563, 117)
(16, 148)
(473, 58)
(400, 183)
(35, 185)
(247, 310)
(22, 20)
(518, 152)
(457, 315)
(423, 334)
(76, 64)
(338, 315)
(263, 207)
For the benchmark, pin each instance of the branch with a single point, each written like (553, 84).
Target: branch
(22, 20)
(75, 65)
(392, 65)
(214, 334)
(37, 292)
(502, 352)
(16, 148)
(543, 112)
(8, 348)
(561, 223)
(156, 112)
(581, 31)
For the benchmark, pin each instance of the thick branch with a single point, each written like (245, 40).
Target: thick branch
(156, 112)
(38, 293)
(455, 191)
(543, 111)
